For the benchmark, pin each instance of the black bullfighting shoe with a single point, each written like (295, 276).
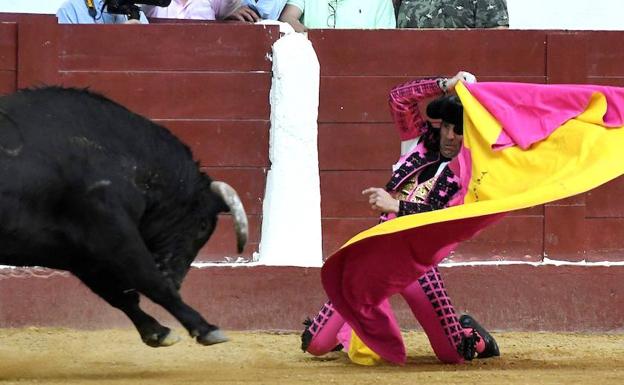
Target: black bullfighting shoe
(478, 333)
(306, 336)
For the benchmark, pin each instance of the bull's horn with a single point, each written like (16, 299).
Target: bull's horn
(231, 199)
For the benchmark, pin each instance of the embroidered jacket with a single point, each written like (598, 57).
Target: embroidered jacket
(405, 109)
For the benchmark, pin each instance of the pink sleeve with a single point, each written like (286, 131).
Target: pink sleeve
(405, 109)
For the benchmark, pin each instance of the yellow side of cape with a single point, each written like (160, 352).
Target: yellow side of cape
(578, 156)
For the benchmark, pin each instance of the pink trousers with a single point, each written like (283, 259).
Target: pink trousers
(428, 300)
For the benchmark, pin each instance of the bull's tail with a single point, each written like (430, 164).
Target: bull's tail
(231, 199)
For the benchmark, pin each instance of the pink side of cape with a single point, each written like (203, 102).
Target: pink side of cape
(529, 113)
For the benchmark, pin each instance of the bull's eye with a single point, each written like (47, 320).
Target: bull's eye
(203, 225)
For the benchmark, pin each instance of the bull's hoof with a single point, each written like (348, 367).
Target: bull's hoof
(167, 339)
(214, 337)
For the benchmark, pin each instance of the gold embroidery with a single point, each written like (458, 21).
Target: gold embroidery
(417, 194)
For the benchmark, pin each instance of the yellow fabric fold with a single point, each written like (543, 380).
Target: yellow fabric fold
(361, 354)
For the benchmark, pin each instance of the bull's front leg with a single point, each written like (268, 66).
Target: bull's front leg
(122, 250)
(142, 274)
(164, 293)
(152, 332)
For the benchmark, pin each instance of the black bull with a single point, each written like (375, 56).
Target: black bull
(92, 188)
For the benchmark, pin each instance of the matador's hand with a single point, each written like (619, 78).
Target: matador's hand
(380, 200)
(462, 76)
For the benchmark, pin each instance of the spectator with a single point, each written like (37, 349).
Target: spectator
(423, 180)
(452, 13)
(267, 9)
(83, 12)
(203, 10)
(305, 14)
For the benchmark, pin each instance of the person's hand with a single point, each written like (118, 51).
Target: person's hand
(244, 13)
(132, 21)
(462, 76)
(381, 200)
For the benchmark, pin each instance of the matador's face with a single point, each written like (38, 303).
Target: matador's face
(450, 141)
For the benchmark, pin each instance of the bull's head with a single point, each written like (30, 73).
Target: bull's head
(198, 225)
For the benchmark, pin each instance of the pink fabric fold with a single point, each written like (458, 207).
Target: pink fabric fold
(529, 113)
(360, 277)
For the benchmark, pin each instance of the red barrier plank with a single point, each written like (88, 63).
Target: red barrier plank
(419, 53)
(249, 183)
(365, 99)
(167, 47)
(604, 239)
(535, 210)
(584, 56)
(606, 80)
(8, 82)
(341, 192)
(358, 146)
(565, 233)
(606, 200)
(223, 241)
(184, 95)
(8, 47)
(504, 297)
(337, 231)
(33, 18)
(219, 143)
(513, 238)
(37, 54)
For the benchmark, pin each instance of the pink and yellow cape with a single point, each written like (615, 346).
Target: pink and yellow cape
(524, 145)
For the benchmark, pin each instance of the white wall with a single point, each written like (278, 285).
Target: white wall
(523, 14)
(566, 14)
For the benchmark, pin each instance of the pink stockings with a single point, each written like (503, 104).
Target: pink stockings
(428, 300)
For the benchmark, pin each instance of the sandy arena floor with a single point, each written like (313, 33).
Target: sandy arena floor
(61, 356)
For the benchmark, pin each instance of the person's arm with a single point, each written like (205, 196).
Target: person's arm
(244, 13)
(291, 15)
(381, 201)
(404, 101)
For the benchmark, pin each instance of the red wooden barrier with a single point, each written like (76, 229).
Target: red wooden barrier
(209, 83)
